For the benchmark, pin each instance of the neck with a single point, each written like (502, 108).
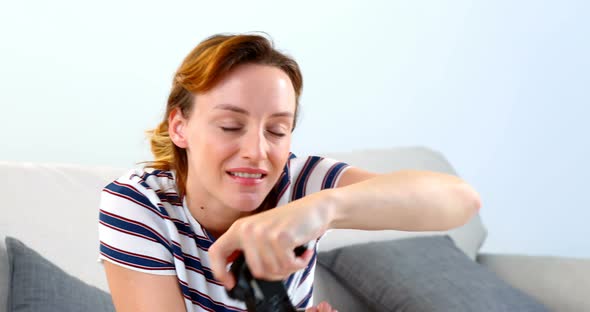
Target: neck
(215, 217)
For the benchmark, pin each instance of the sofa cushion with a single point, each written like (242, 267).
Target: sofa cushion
(4, 280)
(38, 285)
(469, 237)
(421, 274)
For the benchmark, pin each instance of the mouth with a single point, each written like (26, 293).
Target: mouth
(245, 175)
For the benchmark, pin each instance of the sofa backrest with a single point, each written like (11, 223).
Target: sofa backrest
(53, 208)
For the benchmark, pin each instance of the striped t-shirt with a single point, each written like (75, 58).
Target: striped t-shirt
(145, 226)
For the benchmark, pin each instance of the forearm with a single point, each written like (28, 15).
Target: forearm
(406, 200)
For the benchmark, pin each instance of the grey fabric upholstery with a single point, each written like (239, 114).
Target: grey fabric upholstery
(38, 285)
(421, 274)
(327, 288)
(560, 283)
(4, 278)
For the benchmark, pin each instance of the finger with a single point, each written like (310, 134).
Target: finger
(312, 309)
(272, 252)
(253, 260)
(324, 307)
(260, 256)
(303, 260)
(284, 254)
(261, 270)
(269, 259)
(219, 252)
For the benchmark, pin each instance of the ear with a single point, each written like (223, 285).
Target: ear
(176, 125)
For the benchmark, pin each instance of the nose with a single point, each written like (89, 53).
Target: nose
(254, 146)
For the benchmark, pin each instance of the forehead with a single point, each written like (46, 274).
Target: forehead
(255, 88)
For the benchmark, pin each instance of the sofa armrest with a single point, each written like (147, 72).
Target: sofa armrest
(561, 284)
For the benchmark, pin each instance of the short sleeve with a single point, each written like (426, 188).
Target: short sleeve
(313, 174)
(132, 228)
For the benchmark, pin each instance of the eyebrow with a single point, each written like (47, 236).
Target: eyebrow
(240, 110)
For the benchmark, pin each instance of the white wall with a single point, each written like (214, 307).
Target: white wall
(500, 87)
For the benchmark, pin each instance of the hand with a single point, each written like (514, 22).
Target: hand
(322, 307)
(268, 239)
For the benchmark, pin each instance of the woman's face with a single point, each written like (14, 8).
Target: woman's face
(238, 137)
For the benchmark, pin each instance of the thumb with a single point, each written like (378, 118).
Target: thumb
(303, 260)
(223, 251)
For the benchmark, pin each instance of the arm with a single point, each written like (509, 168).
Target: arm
(406, 200)
(136, 291)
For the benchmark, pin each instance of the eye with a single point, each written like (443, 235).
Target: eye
(230, 129)
(277, 134)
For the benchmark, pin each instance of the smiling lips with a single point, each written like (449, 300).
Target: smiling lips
(247, 176)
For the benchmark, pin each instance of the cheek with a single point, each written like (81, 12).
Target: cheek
(280, 153)
(208, 147)
(217, 148)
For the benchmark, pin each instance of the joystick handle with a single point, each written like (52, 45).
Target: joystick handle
(260, 295)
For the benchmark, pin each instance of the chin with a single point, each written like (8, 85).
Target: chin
(246, 205)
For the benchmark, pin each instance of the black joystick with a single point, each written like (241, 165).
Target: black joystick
(260, 295)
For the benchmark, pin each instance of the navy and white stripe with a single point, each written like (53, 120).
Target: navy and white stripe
(303, 177)
(145, 226)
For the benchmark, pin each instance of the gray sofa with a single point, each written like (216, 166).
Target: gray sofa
(53, 209)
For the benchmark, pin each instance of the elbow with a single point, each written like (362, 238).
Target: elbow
(471, 201)
(476, 203)
(469, 204)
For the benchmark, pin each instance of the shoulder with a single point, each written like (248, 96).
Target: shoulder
(143, 186)
(146, 179)
(306, 175)
(317, 167)
(329, 172)
(136, 227)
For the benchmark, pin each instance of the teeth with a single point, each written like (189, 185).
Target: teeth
(247, 175)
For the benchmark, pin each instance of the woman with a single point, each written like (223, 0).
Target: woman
(222, 164)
